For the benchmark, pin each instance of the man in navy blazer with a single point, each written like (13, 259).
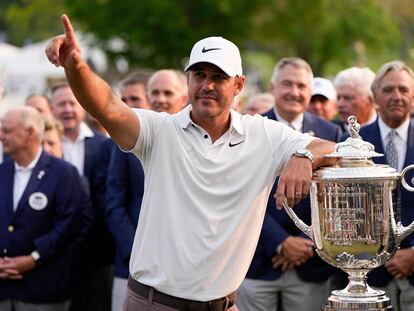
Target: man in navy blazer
(167, 92)
(39, 218)
(89, 151)
(393, 90)
(285, 273)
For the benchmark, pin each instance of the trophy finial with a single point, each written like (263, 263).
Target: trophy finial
(354, 127)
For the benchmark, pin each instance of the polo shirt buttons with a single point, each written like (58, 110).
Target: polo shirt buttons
(10, 228)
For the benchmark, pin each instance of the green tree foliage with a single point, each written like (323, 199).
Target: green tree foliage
(159, 33)
(322, 31)
(32, 20)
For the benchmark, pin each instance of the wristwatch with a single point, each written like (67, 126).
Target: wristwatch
(35, 255)
(304, 153)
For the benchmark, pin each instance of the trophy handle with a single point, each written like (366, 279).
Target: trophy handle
(298, 222)
(403, 182)
(403, 232)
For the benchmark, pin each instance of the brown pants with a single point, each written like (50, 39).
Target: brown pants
(135, 302)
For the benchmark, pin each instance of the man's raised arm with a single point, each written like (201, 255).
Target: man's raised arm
(92, 92)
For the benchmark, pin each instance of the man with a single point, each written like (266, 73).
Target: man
(167, 91)
(89, 151)
(208, 170)
(39, 217)
(353, 88)
(40, 102)
(285, 270)
(125, 188)
(323, 100)
(134, 90)
(393, 135)
(259, 103)
(125, 184)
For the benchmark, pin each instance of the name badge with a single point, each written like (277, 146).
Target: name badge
(38, 201)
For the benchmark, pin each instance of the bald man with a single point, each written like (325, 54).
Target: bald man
(167, 91)
(39, 217)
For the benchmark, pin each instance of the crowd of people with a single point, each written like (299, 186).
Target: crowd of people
(168, 195)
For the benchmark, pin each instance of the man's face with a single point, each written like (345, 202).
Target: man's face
(40, 104)
(211, 90)
(350, 102)
(394, 96)
(292, 91)
(134, 96)
(165, 93)
(66, 109)
(322, 107)
(52, 143)
(13, 135)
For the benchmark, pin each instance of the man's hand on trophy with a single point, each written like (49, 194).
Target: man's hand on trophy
(401, 264)
(64, 50)
(294, 182)
(297, 249)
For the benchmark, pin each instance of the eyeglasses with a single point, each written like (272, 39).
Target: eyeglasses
(131, 98)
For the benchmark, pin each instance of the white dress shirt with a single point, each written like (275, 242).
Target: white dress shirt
(400, 139)
(74, 152)
(21, 178)
(295, 124)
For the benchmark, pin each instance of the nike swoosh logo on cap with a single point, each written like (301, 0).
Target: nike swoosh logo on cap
(232, 145)
(204, 50)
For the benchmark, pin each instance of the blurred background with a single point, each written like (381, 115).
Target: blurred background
(118, 36)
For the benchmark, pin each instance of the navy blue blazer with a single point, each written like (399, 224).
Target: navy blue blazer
(97, 156)
(277, 225)
(125, 190)
(49, 227)
(371, 133)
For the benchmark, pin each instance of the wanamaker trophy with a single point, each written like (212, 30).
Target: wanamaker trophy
(353, 225)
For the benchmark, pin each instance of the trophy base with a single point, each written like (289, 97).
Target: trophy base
(342, 300)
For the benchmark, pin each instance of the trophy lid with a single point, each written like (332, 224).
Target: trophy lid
(354, 160)
(354, 146)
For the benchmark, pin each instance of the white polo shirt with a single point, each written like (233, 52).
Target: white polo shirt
(204, 203)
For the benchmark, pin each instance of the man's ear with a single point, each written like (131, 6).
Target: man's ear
(239, 84)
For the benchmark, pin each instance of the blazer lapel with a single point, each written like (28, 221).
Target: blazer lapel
(36, 179)
(409, 155)
(308, 124)
(373, 135)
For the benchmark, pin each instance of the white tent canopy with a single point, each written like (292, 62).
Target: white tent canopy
(26, 71)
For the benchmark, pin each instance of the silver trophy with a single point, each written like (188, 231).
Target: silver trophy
(353, 225)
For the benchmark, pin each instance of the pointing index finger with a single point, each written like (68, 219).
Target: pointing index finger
(67, 26)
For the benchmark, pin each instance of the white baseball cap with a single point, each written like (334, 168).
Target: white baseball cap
(217, 51)
(324, 87)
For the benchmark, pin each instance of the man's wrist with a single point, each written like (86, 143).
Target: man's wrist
(304, 153)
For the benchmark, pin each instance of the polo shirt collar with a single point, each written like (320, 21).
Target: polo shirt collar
(184, 119)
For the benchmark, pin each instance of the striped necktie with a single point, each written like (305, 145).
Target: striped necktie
(391, 150)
